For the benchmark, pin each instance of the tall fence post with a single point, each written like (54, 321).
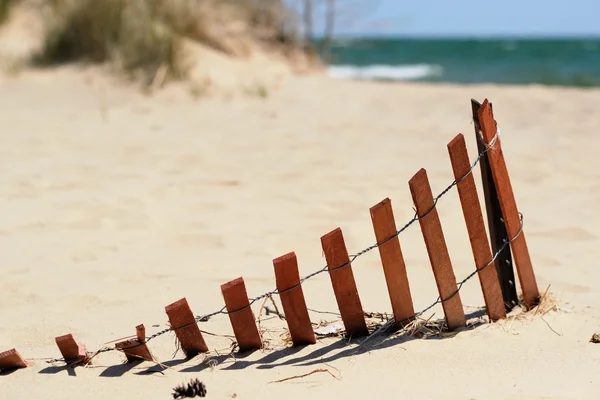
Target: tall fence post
(289, 287)
(480, 245)
(392, 260)
(497, 230)
(437, 250)
(509, 206)
(344, 285)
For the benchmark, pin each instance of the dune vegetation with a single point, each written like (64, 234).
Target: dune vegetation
(5, 6)
(141, 37)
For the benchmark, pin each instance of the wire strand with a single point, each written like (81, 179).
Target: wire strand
(326, 268)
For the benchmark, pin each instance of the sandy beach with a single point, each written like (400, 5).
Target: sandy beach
(116, 204)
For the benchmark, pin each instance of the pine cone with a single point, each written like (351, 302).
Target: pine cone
(193, 389)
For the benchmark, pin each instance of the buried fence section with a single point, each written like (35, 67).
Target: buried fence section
(344, 285)
(504, 265)
(394, 267)
(437, 249)
(291, 295)
(11, 359)
(187, 331)
(508, 205)
(241, 315)
(469, 200)
(136, 349)
(71, 351)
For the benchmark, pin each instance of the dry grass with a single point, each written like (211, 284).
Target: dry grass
(547, 304)
(142, 37)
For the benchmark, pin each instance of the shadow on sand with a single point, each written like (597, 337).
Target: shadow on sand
(338, 349)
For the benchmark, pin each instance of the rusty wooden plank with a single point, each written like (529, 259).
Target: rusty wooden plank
(344, 285)
(290, 291)
(136, 349)
(187, 331)
(504, 265)
(437, 249)
(71, 350)
(509, 206)
(392, 260)
(241, 315)
(11, 359)
(480, 245)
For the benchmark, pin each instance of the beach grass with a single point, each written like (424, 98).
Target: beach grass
(142, 37)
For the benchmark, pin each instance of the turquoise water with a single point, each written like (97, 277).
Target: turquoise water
(564, 62)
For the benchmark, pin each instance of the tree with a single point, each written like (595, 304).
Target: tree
(329, 30)
(328, 14)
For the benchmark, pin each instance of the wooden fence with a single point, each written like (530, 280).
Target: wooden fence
(497, 284)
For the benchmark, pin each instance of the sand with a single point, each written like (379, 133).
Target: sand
(115, 204)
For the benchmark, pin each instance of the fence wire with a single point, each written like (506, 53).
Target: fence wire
(415, 218)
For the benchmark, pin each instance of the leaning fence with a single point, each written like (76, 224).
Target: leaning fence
(493, 265)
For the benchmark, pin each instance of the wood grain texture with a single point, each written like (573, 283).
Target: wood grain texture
(241, 315)
(294, 305)
(190, 337)
(509, 207)
(469, 200)
(496, 227)
(344, 285)
(394, 267)
(437, 250)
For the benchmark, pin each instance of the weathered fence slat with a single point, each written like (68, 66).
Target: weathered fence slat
(437, 250)
(497, 229)
(344, 285)
(136, 349)
(294, 305)
(509, 206)
(71, 350)
(190, 338)
(11, 359)
(480, 245)
(241, 315)
(392, 260)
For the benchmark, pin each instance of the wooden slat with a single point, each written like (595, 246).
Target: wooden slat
(136, 349)
(480, 245)
(70, 349)
(392, 260)
(140, 333)
(497, 229)
(294, 305)
(190, 338)
(11, 359)
(509, 207)
(344, 286)
(241, 315)
(437, 250)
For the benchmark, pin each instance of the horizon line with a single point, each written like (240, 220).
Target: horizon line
(448, 36)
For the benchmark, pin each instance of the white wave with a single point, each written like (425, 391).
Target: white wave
(385, 72)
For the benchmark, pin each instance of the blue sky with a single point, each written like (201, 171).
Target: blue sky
(469, 17)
